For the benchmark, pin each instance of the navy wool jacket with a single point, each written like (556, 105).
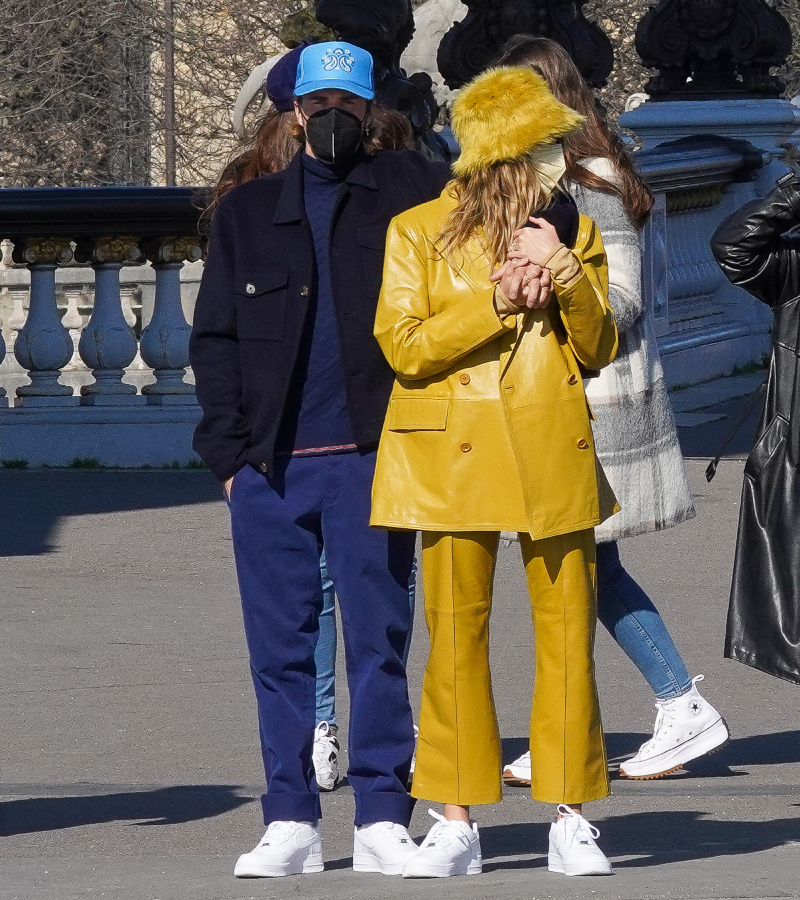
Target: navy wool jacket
(254, 299)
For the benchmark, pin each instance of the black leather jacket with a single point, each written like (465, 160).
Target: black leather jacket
(754, 251)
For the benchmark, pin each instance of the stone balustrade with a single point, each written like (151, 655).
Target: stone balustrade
(110, 230)
(704, 325)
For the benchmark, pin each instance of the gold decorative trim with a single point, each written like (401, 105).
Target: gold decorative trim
(43, 251)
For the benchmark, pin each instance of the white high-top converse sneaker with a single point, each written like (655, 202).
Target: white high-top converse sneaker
(686, 727)
(325, 756)
(518, 773)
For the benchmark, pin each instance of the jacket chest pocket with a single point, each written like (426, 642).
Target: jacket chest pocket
(372, 241)
(261, 299)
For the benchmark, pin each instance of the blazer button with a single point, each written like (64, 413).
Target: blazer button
(304, 291)
(464, 378)
(264, 468)
(250, 288)
(573, 379)
(466, 447)
(583, 444)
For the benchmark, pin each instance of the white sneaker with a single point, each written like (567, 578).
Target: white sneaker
(518, 773)
(450, 848)
(382, 847)
(573, 850)
(686, 727)
(325, 756)
(287, 848)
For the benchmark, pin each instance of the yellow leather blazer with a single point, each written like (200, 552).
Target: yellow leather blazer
(488, 424)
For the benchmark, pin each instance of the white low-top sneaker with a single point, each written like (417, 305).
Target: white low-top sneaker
(686, 727)
(450, 848)
(383, 847)
(519, 772)
(573, 850)
(287, 848)
(325, 756)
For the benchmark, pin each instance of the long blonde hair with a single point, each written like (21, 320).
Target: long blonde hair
(492, 203)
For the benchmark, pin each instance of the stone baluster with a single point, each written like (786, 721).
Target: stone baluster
(43, 346)
(108, 344)
(165, 341)
(2, 352)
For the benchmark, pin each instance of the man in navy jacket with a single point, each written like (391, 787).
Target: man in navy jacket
(294, 390)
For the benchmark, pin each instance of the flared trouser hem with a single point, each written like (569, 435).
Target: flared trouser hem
(459, 753)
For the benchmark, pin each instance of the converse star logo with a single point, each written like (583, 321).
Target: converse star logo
(694, 707)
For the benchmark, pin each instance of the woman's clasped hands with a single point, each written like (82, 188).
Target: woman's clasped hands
(523, 278)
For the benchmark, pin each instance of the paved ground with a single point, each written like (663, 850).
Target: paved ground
(130, 765)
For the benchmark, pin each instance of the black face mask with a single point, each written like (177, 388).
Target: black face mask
(334, 136)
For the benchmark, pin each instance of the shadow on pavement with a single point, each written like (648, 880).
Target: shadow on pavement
(34, 501)
(756, 750)
(655, 838)
(163, 806)
(705, 440)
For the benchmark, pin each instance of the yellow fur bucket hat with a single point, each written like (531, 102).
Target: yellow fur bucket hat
(504, 113)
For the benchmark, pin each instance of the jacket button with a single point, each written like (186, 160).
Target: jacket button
(466, 447)
(250, 288)
(264, 468)
(573, 379)
(464, 378)
(583, 443)
(304, 291)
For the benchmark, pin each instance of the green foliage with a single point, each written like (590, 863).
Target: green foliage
(14, 463)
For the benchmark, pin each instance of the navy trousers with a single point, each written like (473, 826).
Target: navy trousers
(279, 525)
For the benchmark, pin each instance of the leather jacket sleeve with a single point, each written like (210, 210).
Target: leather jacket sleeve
(750, 249)
(417, 344)
(581, 289)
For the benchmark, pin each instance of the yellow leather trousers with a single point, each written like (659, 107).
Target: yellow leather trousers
(458, 753)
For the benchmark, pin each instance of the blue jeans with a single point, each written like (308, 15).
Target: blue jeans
(635, 624)
(325, 654)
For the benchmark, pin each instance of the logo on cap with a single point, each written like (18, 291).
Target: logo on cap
(338, 59)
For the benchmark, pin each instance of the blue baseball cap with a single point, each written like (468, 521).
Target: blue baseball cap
(335, 64)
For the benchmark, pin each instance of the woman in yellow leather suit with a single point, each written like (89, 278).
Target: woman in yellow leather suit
(488, 429)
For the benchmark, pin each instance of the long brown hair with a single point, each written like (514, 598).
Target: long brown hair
(595, 138)
(492, 203)
(277, 137)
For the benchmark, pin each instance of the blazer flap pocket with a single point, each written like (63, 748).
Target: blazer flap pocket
(372, 236)
(255, 282)
(418, 414)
